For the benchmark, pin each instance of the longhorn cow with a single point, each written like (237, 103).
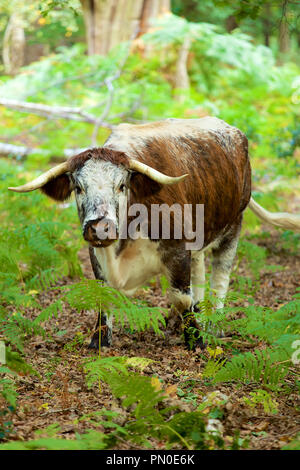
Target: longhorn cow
(209, 165)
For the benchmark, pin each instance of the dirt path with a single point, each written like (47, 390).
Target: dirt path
(60, 394)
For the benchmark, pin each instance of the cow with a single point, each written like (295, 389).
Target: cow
(187, 162)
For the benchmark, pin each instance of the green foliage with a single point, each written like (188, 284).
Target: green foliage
(279, 327)
(94, 295)
(294, 445)
(258, 366)
(211, 367)
(148, 417)
(36, 250)
(263, 398)
(7, 388)
(267, 366)
(254, 255)
(232, 78)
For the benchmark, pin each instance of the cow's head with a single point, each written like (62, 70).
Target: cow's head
(100, 179)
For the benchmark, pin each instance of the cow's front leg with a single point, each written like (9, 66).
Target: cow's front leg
(105, 338)
(177, 263)
(102, 336)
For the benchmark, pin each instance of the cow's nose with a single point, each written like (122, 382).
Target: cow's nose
(100, 232)
(89, 232)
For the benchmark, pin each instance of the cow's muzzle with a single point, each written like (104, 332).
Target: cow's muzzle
(100, 232)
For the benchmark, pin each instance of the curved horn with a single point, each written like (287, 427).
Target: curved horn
(42, 179)
(154, 174)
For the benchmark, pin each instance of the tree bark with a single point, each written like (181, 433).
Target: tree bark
(267, 24)
(230, 23)
(182, 77)
(13, 45)
(109, 22)
(284, 37)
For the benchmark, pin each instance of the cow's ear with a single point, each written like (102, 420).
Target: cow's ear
(59, 188)
(142, 186)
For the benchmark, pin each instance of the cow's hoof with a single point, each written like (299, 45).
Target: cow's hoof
(106, 338)
(192, 332)
(193, 340)
(94, 344)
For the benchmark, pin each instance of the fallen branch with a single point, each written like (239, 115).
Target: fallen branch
(65, 112)
(20, 151)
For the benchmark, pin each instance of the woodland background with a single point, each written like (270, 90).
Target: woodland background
(69, 71)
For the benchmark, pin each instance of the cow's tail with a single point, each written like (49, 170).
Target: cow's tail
(280, 219)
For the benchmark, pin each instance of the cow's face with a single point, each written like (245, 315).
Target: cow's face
(100, 178)
(100, 190)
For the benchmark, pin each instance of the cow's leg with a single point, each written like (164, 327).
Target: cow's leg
(223, 256)
(106, 332)
(106, 323)
(198, 279)
(177, 263)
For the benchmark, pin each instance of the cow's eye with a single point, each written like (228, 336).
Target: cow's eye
(122, 187)
(78, 189)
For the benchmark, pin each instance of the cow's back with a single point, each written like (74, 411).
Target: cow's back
(213, 153)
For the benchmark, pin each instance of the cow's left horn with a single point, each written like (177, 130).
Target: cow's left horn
(154, 174)
(42, 179)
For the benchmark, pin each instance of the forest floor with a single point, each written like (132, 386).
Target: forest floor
(60, 394)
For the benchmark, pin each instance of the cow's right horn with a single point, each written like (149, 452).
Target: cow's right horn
(42, 179)
(154, 174)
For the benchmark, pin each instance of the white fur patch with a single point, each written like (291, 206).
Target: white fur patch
(198, 276)
(135, 265)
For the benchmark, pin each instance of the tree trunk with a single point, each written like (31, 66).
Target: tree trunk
(152, 9)
(109, 22)
(13, 45)
(230, 23)
(267, 24)
(284, 38)
(182, 78)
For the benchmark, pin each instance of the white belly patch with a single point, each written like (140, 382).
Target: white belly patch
(135, 265)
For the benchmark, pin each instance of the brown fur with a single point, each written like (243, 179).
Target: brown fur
(105, 154)
(59, 188)
(218, 167)
(219, 176)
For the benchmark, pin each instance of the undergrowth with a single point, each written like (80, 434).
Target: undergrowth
(39, 246)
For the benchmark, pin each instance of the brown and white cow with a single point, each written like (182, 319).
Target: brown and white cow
(208, 163)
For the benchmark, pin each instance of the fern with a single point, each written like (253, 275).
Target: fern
(16, 326)
(7, 387)
(50, 311)
(269, 325)
(212, 367)
(93, 295)
(101, 369)
(268, 367)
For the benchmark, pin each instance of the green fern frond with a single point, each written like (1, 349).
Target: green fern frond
(94, 295)
(268, 366)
